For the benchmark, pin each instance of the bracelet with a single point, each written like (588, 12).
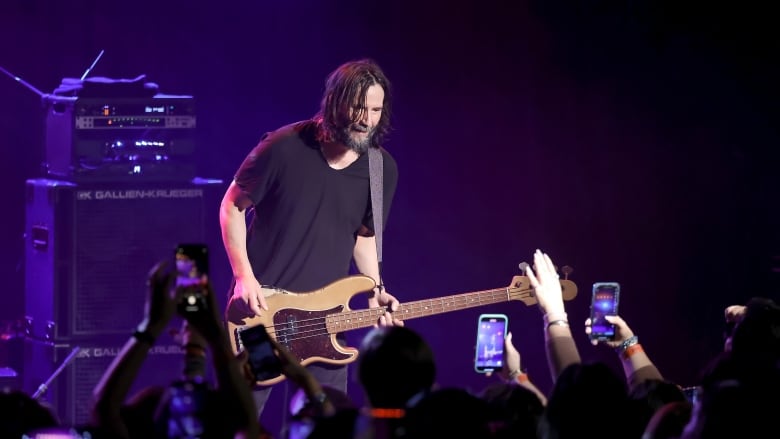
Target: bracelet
(144, 337)
(631, 350)
(555, 316)
(521, 378)
(518, 376)
(630, 341)
(386, 413)
(558, 323)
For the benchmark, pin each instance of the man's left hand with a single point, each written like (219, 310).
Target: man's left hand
(387, 300)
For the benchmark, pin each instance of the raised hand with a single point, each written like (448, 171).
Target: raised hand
(546, 284)
(204, 316)
(511, 362)
(161, 302)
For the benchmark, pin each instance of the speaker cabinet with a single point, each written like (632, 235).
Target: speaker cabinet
(89, 250)
(70, 391)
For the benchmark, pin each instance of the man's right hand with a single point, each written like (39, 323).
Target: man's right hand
(249, 296)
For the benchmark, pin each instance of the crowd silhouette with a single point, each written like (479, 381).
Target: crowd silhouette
(735, 396)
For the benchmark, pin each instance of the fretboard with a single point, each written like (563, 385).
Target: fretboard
(411, 310)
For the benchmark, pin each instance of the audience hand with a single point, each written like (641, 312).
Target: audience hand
(204, 316)
(291, 367)
(734, 313)
(622, 331)
(546, 284)
(161, 303)
(511, 360)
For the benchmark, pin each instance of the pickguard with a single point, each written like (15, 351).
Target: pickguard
(304, 333)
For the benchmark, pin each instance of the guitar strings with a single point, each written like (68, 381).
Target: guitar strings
(318, 326)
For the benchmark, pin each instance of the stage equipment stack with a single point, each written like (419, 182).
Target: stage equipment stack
(118, 191)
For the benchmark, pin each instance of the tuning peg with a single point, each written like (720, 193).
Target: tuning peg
(523, 267)
(567, 270)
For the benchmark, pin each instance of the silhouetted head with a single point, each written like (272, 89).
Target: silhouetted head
(581, 396)
(514, 410)
(394, 365)
(648, 396)
(758, 333)
(448, 413)
(668, 421)
(20, 414)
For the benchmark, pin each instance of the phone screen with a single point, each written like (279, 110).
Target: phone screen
(192, 268)
(604, 303)
(491, 330)
(192, 264)
(261, 357)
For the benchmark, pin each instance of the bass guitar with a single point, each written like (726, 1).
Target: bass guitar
(306, 324)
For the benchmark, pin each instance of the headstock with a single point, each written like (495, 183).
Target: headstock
(520, 288)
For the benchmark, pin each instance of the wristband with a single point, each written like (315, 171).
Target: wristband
(144, 337)
(387, 413)
(630, 341)
(518, 376)
(521, 378)
(631, 350)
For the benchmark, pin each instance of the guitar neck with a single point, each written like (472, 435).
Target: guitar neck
(411, 310)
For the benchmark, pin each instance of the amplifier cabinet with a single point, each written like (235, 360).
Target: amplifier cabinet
(70, 392)
(89, 249)
(121, 139)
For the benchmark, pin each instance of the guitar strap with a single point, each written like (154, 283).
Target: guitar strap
(377, 187)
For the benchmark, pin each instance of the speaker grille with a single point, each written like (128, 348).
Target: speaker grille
(103, 240)
(89, 250)
(117, 243)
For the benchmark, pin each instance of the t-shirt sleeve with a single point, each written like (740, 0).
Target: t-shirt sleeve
(254, 174)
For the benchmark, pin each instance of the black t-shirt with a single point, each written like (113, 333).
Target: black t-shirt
(306, 214)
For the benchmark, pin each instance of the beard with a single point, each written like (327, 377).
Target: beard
(356, 137)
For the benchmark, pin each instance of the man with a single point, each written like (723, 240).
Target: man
(308, 186)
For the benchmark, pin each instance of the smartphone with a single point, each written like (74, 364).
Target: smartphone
(604, 302)
(192, 271)
(261, 357)
(491, 331)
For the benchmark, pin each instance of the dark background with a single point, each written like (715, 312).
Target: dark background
(635, 141)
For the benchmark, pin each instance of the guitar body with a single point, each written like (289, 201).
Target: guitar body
(299, 322)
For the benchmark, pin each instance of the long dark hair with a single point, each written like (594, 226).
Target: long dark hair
(346, 86)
